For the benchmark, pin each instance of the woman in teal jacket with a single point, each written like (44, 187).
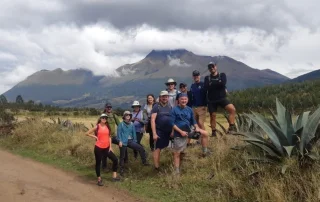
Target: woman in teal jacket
(126, 134)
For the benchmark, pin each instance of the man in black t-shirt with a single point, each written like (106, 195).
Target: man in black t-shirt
(215, 87)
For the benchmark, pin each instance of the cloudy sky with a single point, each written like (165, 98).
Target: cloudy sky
(101, 35)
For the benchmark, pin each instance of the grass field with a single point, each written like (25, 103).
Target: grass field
(226, 175)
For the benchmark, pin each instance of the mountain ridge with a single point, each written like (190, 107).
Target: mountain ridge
(137, 79)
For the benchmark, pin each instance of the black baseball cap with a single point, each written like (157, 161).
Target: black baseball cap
(108, 105)
(195, 73)
(182, 85)
(211, 64)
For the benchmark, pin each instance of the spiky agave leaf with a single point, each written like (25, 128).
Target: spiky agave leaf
(289, 149)
(267, 128)
(223, 128)
(309, 130)
(301, 120)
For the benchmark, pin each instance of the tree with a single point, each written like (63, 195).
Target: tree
(19, 99)
(3, 99)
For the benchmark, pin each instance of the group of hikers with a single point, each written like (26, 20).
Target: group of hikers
(174, 117)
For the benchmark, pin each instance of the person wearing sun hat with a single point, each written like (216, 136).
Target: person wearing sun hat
(172, 92)
(126, 134)
(139, 119)
(103, 147)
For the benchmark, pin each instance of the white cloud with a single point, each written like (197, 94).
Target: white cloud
(279, 35)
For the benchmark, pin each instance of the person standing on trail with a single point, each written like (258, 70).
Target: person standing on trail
(113, 121)
(139, 119)
(172, 92)
(161, 126)
(126, 134)
(147, 109)
(182, 121)
(103, 147)
(215, 87)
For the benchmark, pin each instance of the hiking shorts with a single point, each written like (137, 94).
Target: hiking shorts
(213, 106)
(163, 140)
(200, 114)
(179, 144)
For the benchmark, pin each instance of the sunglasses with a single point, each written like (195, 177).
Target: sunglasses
(211, 66)
(109, 107)
(169, 84)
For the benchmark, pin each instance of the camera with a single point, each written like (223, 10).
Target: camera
(194, 135)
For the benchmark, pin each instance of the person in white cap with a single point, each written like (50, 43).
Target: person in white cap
(103, 147)
(161, 126)
(172, 92)
(139, 119)
(126, 134)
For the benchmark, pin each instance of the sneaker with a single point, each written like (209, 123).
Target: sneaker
(100, 183)
(214, 133)
(232, 129)
(115, 179)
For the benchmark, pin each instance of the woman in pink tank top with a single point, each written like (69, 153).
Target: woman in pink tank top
(103, 147)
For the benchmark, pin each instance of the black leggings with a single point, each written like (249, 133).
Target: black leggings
(99, 153)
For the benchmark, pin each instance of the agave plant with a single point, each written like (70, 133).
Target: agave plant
(283, 136)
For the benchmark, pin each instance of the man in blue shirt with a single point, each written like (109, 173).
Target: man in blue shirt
(199, 99)
(182, 121)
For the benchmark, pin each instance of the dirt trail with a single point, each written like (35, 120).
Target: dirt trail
(26, 180)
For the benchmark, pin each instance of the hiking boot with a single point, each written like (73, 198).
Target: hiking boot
(100, 183)
(115, 179)
(146, 164)
(122, 172)
(206, 154)
(214, 133)
(232, 129)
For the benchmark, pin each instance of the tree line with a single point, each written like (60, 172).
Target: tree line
(49, 110)
(295, 96)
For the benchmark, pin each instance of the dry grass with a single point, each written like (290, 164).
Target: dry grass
(226, 175)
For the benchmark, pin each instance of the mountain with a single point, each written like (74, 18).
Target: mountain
(308, 76)
(134, 81)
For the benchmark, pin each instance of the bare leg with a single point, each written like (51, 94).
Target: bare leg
(232, 113)
(156, 158)
(176, 161)
(213, 123)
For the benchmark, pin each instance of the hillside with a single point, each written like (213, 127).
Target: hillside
(309, 76)
(80, 87)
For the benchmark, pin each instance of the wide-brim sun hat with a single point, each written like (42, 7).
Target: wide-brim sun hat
(171, 81)
(164, 92)
(135, 104)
